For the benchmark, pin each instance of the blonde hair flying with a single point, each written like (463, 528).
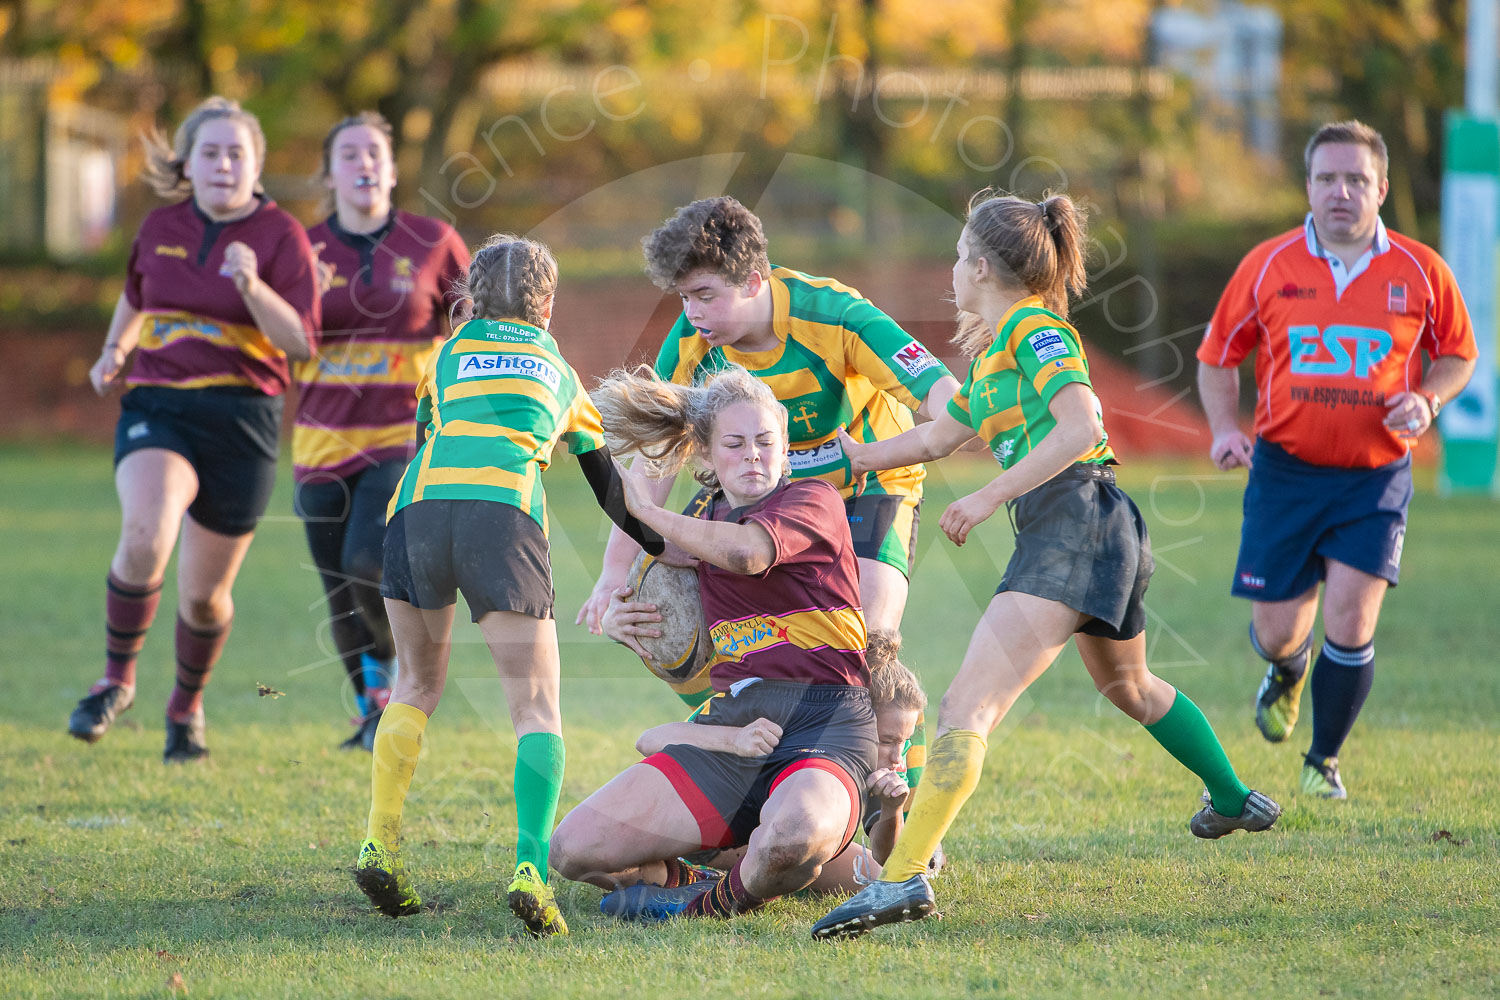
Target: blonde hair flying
(670, 424)
(164, 161)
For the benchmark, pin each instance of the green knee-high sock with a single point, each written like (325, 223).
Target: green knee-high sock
(1186, 735)
(539, 774)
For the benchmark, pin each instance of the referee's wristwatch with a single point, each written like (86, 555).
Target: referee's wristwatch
(1434, 401)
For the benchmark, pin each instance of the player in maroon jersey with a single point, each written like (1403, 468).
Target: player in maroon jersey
(390, 278)
(220, 297)
(780, 590)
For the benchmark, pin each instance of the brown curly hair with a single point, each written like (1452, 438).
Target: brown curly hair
(714, 234)
(510, 277)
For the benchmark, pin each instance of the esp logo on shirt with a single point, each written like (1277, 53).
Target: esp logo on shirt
(509, 366)
(1327, 352)
(915, 359)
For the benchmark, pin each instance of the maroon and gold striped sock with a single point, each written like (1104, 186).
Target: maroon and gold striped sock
(727, 898)
(128, 612)
(678, 873)
(198, 650)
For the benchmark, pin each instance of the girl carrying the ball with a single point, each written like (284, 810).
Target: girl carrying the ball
(780, 593)
(220, 297)
(1082, 557)
(390, 277)
(469, 516)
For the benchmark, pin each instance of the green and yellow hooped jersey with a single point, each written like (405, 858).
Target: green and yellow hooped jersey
(841, 363)
(1010, 386)
(499, 397)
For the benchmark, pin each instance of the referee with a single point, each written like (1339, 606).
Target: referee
(1338, 312)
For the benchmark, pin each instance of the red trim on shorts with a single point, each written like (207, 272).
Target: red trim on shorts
(837, 770)
(712, 827)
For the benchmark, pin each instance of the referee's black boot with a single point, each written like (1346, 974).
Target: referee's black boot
(96, 712)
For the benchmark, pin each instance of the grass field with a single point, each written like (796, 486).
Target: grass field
(1072, 870)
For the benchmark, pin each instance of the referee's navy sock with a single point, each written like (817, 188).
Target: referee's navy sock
(1341, 681)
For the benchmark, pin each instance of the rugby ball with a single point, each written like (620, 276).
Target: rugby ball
(684, 650)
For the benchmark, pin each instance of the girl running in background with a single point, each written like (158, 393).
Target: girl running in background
(1082, 558)
(390, 281)
(469, 516)
(220, 296)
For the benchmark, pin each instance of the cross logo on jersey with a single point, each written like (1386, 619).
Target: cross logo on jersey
(805, 417)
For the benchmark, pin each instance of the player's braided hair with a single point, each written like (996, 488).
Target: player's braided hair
(376, 121)
(1037, 245)
(511, 277)
(668, 424)
(714, 234)
(163, 171)
(891, 681)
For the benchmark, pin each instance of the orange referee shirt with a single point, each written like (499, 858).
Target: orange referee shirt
(1332, 345)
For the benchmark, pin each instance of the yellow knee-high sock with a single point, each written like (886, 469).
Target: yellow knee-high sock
(398, 743)
(954, 761)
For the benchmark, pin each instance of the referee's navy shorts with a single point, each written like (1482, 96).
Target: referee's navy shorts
(830, 727)
(1298, 514)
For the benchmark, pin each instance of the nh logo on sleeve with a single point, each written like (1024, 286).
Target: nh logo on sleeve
(915, 359)
(509, 366)
(1338, 350)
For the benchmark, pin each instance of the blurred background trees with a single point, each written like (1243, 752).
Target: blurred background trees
(858, 127)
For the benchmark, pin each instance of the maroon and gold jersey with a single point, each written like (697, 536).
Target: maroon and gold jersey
(800, 620)
(384, 314)
(197, 331)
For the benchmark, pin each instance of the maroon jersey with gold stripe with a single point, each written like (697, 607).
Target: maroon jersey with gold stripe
(383, 316)
(197, 331)
(801, 619)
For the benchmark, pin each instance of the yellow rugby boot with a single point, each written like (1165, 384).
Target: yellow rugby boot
(532, 901)
(381, 876)
(1279, 700)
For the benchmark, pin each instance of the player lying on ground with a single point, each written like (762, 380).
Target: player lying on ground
(390, 278)
(780, 593)
(1082, 558)
(898, 700)
(219, 296)
(469, 516)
